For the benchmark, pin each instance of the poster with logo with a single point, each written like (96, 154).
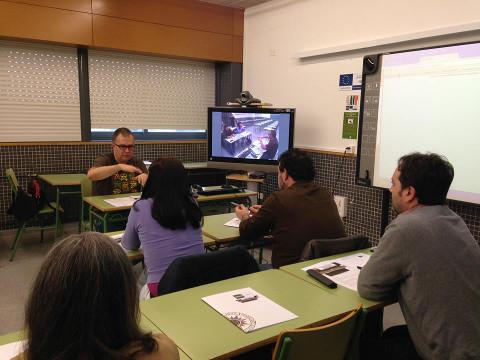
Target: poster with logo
(350, 125)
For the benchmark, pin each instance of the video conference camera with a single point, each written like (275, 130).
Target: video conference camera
(246, 98)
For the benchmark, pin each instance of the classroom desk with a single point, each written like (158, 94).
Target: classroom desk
(213, 228)
(12, 337)
(195, 165)
(104, 211)
(225, 197)
(60, 181)
(133, 255)
(202, 333)
(145, 325)
(340, 291)
(137, 255)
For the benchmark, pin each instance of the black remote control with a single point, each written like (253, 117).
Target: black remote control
(317, 275)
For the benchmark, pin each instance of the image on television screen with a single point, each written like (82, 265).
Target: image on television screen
(259, 136)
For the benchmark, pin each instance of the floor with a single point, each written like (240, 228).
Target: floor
(17, 277)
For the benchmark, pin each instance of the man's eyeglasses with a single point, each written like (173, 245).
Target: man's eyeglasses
(125, 147)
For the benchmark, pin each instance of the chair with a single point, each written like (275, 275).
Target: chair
(195, 270)
(259, 244)
(86, 189)
(325, 247)
(39, 217)
(336, 341)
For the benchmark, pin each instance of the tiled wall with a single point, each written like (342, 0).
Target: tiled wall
(364, 203)
(363, 208)
(27, 160)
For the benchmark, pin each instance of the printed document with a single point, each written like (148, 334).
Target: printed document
(248, 309)
(235, 222)
(123, 201)
(11, 350)
(344, 271)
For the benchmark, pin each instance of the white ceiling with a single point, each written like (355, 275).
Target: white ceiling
(240, 4)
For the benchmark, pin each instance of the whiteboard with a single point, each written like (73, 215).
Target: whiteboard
(427, 101)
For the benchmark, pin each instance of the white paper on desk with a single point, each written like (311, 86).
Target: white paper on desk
(122, 201)
(348, 278)
(235, 222)
(11, 350)
(250, 315)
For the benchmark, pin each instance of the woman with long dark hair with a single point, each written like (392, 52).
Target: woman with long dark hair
(166, 221)
(84, 305)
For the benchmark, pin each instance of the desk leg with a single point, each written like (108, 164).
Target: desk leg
(105, 223)
(57, 213)
(80, 216)
(90, 217)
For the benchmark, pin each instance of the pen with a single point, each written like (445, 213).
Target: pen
(237, 204)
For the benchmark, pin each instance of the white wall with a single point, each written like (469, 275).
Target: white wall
(276, 31)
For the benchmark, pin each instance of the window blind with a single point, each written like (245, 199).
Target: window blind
(39, 97)
(142, 92)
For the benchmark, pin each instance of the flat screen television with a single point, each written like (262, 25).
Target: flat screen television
(250, 139)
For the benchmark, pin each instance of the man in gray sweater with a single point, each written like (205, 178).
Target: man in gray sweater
(429, 261)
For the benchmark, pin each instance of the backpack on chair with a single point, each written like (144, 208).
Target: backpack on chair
(26, 204)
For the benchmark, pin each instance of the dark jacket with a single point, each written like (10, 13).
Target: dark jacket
(294, 216)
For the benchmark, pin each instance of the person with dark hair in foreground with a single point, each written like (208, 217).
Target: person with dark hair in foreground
(166, 221)
(120, 171)
(84, 305)
(428, 260)
(299, 212)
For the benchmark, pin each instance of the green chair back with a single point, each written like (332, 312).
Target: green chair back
(86, 189)
(12, 180)
(335, 341)
(86, 186)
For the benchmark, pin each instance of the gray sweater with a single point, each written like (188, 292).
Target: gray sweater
(429, 261)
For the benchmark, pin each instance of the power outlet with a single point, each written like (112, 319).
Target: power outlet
(341, 202)
(352, 149)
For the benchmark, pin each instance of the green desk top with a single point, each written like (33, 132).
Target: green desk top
(145, 325)
(99, 203)
(246, 193)
(202, 333)
(132, 254)
(62, 179)
(12, 337)
(340, 291)
(138, 254)
(213, 228)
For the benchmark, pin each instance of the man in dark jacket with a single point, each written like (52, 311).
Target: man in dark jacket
(299, 212)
